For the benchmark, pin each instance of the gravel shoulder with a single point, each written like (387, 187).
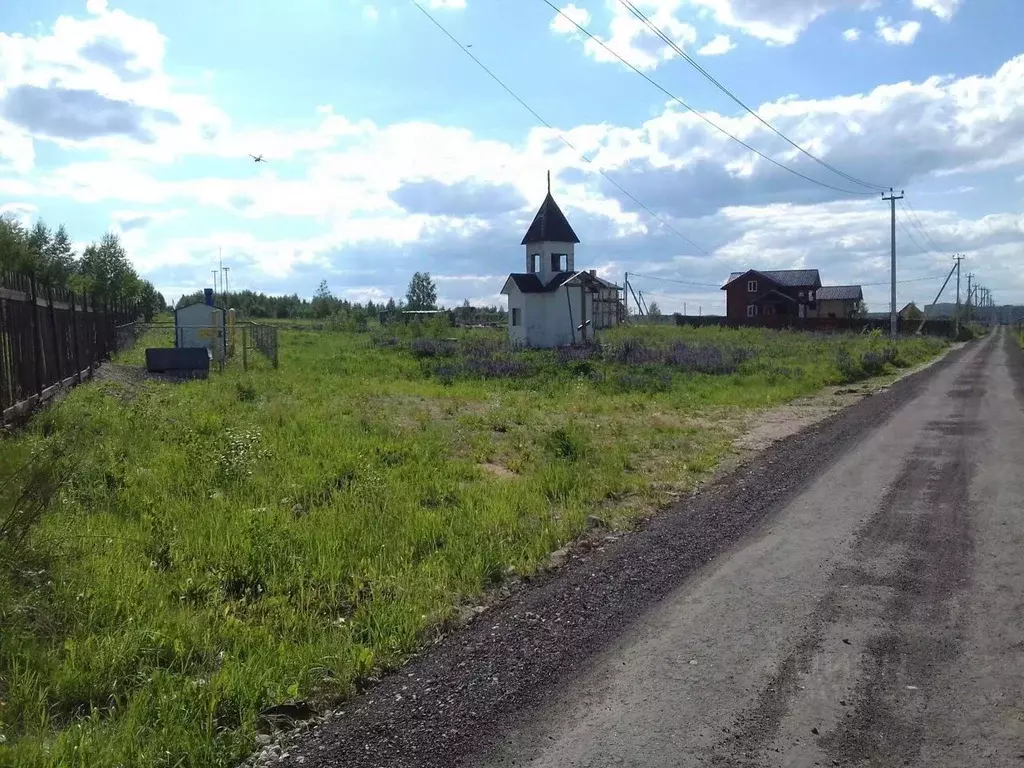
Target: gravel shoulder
(477, 695)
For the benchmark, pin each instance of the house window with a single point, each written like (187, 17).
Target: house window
(559, 262)
(751, 310)
(534, 262)
(801, 294)
(517, 318)
(751, 286)
(769, 309)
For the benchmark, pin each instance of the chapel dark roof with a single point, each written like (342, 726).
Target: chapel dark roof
(550, 225)
(529, 282)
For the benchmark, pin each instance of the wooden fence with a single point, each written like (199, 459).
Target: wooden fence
(48, 340)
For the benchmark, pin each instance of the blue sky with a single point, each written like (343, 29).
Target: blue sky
(390, 150)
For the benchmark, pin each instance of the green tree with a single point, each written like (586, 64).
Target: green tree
(150, 302)
(653, 309)
(14, 253)
(422, 294)
(107, 273)
(38, 241)
(59, 262)
(323, 302)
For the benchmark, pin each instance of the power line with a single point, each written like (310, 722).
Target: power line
(719, 285)
(901, 282)
(548, 125)
(672, 280)
(701, 115)
(696, 65)
(909, 210)
(920, 248)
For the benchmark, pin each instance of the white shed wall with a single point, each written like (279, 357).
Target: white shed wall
(200, 325)
(517, 300)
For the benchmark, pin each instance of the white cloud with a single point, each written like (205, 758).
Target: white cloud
(944, 9)
(370, 13)
(777, 22)
(851, 35)
(573, 13)
(719, 44)
(631, 38)
(901, 34)
(24, 213)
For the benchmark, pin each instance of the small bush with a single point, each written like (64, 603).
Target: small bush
(565, 444)
(433, 347)
(849, 369)
(634, 352)
(244, 391)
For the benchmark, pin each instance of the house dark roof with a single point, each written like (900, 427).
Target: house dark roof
(839, 293)
(550, 225)
(789, 278)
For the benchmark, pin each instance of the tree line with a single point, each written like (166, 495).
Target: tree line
(421, 295)
(102, 271)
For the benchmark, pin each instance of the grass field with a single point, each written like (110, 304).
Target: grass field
(182, 556)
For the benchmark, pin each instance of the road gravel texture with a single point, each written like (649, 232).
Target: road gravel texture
(852, 596)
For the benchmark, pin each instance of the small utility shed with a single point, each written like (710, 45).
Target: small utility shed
(553, 304)
(201, 325)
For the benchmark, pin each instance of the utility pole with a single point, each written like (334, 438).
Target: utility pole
(892, 198)
(958, 258)
(227, 294)
(625, 295)
(970, 277)
(214, 271)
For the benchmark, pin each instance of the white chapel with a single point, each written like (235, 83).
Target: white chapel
(552, 304)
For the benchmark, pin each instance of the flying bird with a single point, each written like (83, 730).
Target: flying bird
(257, 158)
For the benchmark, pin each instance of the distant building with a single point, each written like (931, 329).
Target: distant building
(835, 301)
(553, 304)
(768, 297)
(909, 312)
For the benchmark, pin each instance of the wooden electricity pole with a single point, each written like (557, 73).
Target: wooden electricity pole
(956, 324)
(892, 198)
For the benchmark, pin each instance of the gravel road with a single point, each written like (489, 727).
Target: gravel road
(853, 596)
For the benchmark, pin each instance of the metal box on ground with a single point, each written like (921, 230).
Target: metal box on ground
(183, 362)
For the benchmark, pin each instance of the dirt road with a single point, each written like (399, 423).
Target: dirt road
(855, 597)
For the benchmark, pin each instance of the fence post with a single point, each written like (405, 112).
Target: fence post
(38, 355)
(101, 329)
(245, 357)
(75, 340)
(275, 346)
(57, 357)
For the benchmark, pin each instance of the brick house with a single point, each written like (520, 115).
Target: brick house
(769, 297)
(838, 301)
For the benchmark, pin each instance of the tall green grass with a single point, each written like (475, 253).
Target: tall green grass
(212, 548)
